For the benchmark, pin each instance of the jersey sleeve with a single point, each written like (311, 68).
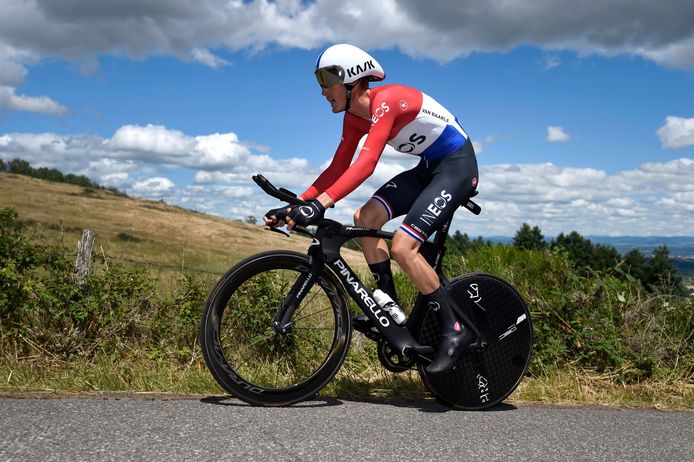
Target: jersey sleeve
(340, 163)
(382, 120)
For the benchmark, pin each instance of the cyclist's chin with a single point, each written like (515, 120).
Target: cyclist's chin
(337, 108)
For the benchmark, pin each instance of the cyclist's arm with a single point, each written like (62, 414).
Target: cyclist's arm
(340, 163)
(365, 164)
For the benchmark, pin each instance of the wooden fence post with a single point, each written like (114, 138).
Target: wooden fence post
(84, 256)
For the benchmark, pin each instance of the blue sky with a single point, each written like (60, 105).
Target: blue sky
(583, 119)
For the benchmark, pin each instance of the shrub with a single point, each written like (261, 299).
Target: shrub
(43, 313)
(597, 321)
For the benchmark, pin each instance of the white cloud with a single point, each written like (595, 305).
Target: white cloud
(205, 57)
(677, 133)
(239, 192)
(153, 187)
(158, 144)
(42, 104)
(155, 139)
(654, 199)
(550, 62)
(557, 134)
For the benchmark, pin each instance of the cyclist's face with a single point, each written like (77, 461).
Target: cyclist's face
(336, 96)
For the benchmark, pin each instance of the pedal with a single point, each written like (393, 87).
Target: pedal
(420, 353)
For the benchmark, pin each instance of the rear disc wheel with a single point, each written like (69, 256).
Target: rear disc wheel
(482, 379)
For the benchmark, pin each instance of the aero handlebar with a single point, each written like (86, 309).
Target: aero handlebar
(281, 193)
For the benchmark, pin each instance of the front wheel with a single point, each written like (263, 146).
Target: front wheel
(481, 379)
(248, 357)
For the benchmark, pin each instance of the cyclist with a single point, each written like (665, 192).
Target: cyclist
(428, 195)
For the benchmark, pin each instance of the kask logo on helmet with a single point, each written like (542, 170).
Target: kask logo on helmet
(358, 69)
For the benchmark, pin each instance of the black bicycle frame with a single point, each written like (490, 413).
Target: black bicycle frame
(325, 251)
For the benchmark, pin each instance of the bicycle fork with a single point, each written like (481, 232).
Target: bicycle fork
(282, 323)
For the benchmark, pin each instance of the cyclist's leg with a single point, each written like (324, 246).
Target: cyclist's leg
(449, 183)
(453, 181)
(390, 200)
(372, 215)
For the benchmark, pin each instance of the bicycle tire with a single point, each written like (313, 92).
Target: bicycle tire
(481, 379)
(252, 361)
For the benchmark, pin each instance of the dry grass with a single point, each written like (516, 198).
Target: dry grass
(564, 388)
(581, 387)
(164, 234)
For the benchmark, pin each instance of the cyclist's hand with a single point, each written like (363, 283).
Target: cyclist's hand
(276, 217)
(305, 215)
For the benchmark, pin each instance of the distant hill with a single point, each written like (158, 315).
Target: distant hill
(679, 246)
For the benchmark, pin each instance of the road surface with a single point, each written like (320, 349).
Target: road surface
(134, 428)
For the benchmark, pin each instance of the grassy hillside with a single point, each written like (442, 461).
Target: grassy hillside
(141, 230)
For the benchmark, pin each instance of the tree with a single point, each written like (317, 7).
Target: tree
(50, 174)
(460, 242)
(251, 219)
(661, 273)
(635, 265)
(20, 167)
(529, 238)
(579, 248)
(3, 165)
(605, 257)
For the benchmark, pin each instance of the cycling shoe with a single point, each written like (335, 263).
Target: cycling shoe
(362, 323)
(449, 350)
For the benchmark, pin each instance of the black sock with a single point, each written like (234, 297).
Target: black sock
(440, 302)
(384, 278)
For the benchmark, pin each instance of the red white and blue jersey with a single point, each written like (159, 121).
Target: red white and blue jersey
(402, 117)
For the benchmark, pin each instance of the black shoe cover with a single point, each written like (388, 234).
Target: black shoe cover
(362, 323)
(449, 350)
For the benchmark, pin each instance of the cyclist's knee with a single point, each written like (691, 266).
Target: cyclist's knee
(370, 215)
(403, 249)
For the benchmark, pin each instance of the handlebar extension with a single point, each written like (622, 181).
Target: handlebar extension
(281, 193)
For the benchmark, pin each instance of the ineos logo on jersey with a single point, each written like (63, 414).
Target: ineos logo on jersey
(358, 69)
(415, 140)
(379, 112)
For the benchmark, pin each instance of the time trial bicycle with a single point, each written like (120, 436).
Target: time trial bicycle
(277, 326)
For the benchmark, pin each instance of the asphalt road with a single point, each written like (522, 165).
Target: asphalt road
(213, 429)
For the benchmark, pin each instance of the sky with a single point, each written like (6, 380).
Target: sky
(581, 113)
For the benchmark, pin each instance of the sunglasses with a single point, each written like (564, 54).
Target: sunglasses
(330, 75)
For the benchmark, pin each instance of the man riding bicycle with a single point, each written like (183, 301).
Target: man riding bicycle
(428, 195)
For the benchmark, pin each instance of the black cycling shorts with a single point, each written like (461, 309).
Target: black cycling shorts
(431, 192)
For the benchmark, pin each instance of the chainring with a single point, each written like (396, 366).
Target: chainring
(391, 359)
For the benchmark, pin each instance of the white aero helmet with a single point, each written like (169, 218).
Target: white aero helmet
(345, 64)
